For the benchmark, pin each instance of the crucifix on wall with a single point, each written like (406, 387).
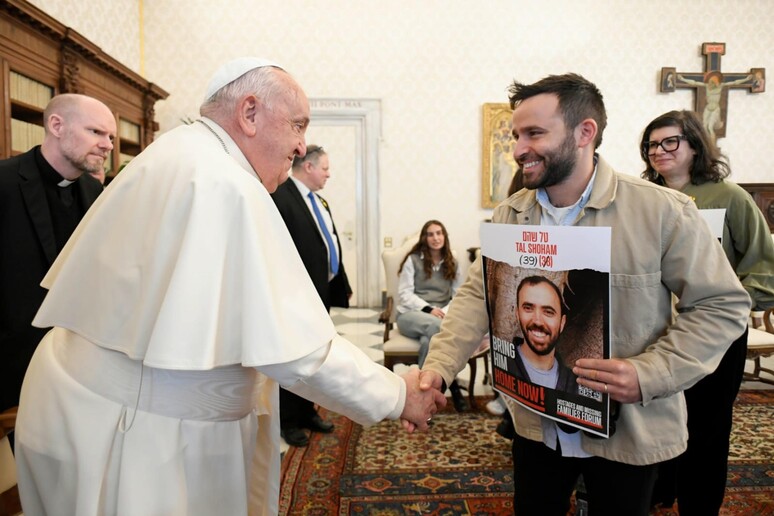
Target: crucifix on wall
(712, 87)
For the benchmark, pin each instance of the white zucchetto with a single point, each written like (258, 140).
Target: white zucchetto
(233, 70)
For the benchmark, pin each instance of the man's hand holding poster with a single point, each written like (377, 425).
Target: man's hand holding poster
(548, 296)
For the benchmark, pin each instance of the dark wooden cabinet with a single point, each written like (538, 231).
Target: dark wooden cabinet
(40, 57)
(763, 195)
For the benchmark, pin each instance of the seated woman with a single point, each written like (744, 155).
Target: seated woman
(429, 278)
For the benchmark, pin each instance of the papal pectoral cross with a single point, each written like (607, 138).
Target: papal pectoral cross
(712, 87)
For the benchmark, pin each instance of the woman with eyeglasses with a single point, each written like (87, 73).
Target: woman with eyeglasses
(679, 154)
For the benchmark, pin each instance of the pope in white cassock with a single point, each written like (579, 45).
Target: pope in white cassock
(177, 307)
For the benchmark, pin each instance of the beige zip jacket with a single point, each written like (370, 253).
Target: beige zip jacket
(660, 246)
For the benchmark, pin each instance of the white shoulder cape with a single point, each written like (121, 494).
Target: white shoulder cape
(184, 262)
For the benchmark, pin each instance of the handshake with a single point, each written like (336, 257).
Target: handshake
(423, 399)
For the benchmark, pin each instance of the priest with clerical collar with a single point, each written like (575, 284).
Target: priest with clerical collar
(44, 193)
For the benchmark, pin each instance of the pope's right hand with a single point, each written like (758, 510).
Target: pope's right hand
(421, 403)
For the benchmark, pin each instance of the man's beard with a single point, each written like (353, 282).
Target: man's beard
(80, 162)
(540, 352)
(558, 165)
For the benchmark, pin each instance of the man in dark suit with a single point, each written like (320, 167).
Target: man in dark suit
(310, 224)
(44, 193)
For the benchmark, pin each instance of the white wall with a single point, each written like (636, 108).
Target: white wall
(113, 25)
(434, 63)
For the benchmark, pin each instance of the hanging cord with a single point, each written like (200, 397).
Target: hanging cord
(122, 424)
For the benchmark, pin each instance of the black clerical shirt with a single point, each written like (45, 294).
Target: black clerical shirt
(64, 202)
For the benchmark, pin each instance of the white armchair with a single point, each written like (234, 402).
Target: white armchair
(398, 349)
(760, 343)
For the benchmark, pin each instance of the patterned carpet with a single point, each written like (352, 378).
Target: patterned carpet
(750, 487)
(382, 471)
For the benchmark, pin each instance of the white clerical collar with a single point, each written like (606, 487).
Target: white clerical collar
(64, 183)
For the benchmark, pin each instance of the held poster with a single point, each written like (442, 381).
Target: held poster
(715, 219)
(548, 297)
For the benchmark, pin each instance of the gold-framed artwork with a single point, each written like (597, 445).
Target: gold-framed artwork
(497, 163)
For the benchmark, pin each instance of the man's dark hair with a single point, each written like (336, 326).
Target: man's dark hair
(708, 163)
(537, 280)
(579, 99)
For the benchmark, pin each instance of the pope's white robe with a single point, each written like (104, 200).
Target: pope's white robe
(178, 304)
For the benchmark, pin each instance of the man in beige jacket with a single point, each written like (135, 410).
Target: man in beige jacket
(660, 247)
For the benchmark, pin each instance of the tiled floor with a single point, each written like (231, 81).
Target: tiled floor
(361, 327)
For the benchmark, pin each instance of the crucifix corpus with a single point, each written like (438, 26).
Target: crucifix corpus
(712, 87)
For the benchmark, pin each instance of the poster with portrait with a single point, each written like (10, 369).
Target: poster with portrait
(548, 297)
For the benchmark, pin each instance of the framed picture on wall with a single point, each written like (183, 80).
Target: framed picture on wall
(497, 163)
(668, 76)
